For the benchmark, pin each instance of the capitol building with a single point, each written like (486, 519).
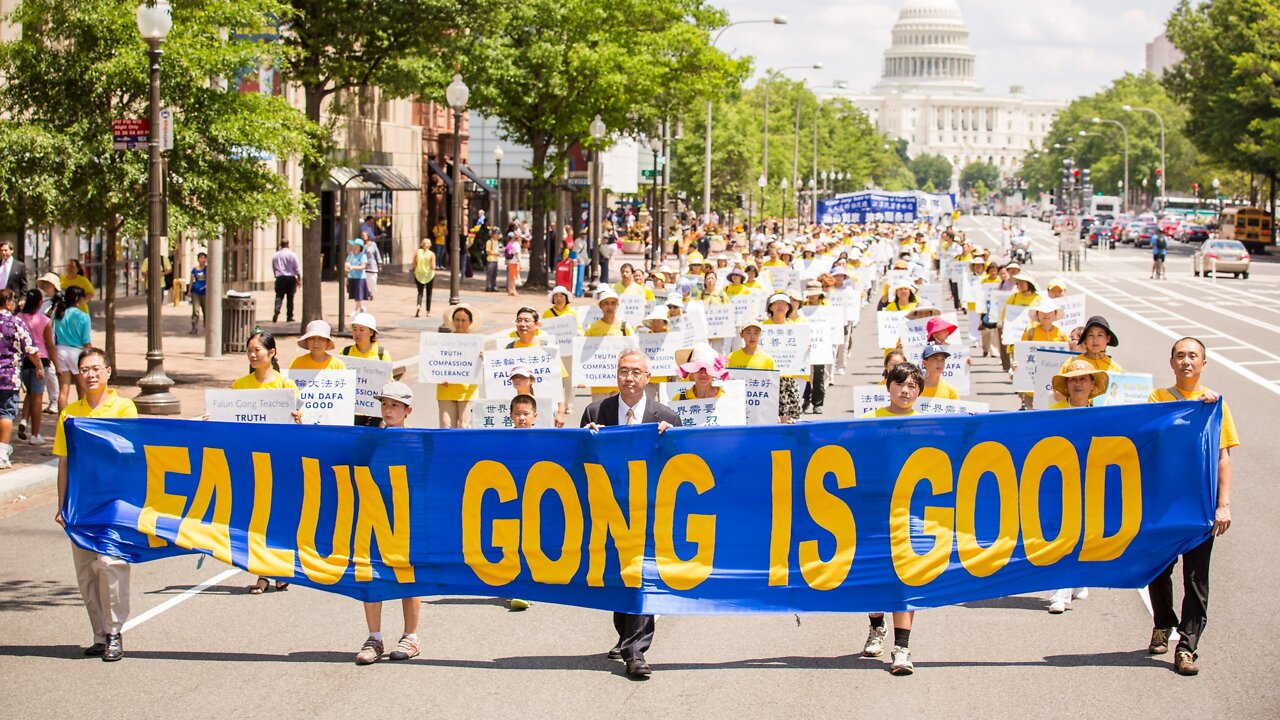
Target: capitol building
(927, 95)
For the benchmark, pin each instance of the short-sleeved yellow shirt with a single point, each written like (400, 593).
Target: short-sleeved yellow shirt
(112, 406)
(884, 412)
(942, 391)
(353, 351)
(304, 362)
(1228, 439)
(759, 360)
(251, 382)
(1104, 363)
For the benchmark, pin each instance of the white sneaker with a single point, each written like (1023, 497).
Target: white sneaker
(6, 455)
(1057, 607)
(1059, 601)
(839, 371)
(1081, 594)
(36, 440)
(874, 646)
(901, 661)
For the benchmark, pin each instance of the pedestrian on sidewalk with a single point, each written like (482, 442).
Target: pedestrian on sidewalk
(373, 264)
(439, 232)
(1188, 360)
(74, 276)
(287, 270)
(512, 254)
(493, 251)
(35, 376)
(103, 579)
(396, 399)
(424, 275)
(356, 262)
(16, 344)
(196, 289)
(71, 328)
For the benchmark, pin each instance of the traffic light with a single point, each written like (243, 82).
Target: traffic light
(742, 201)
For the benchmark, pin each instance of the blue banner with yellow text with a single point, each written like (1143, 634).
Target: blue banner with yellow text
(814, 517)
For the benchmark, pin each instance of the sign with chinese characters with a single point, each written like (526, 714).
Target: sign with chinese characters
(1024, 377)
(493, 413)
(326, 397)
(889, 328)
(788, 345)
(728, 409)
(543, 361)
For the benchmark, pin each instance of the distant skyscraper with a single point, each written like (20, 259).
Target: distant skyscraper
(928, 95)
(1162, 55)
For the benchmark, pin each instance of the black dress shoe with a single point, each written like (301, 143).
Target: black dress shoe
(638, 668)
(615, 653)
(95, 650)
(114, 650)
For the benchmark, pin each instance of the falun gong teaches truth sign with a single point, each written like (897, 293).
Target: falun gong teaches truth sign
(821, 517)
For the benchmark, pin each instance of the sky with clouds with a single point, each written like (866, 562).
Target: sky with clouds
(1055, 49)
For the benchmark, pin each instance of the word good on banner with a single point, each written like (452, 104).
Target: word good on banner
(815, 517)
(543, 361)
(449, 358)
(493, 414)
(595, 359)
(788, 345)
(326, 397)
(251, 406)
(371, 375)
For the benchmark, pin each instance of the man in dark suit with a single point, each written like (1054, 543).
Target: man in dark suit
(631, 407)
(12, 272)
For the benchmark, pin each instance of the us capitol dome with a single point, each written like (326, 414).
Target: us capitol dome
(928, 95)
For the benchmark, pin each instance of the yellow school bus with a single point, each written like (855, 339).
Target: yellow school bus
(1250, 226)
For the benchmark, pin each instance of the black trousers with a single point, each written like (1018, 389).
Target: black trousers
(635, 634)
(424, 289)
(815, 391)
(286, 286)
(1195, 596)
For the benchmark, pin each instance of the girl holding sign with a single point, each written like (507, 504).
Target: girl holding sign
(905, 382)
(704, 366)
(364, 331)
(780, 313)
(264, 374)
(455, 399)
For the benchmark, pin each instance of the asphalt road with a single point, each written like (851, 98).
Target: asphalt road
(222, 652)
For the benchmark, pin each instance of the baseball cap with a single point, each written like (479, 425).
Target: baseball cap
(931, 350)
(398, 391)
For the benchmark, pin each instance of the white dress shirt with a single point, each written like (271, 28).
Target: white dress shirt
(638, 408)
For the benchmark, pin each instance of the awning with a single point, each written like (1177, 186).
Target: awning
(440, 173)
(375, 177)
(466, 170)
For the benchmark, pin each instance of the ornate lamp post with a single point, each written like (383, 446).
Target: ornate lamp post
(154, 23)
(497, 161)
(784, 184)
(456, 95)
(655, 249)
(597, 130)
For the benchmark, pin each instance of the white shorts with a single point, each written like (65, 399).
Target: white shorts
(69, 358)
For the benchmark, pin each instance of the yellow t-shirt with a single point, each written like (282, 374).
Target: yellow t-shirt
(79, 281)
(1228, 438)
(112, 406)
(634, 288)
(600, 328)
(1066, 405)
(734, 290)
(1104, 363)
(895, 307)
(687, 394)
(884, 412)
(551, 313)
(1037, 333)
(942, 391)
(250, 382)
(759, 360)
(304, 362)
(753, 285)
(715, 297)
(353, 351)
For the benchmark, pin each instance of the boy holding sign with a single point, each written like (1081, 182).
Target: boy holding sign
(397, 403)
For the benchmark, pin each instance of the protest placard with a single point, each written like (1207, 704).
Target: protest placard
(543, 361)
(694, 318)
(1047, 364)
(869, 397)
(1073, 312)
(761, 394)
(823, 336)
(889, 328)
(942, 406)
(955, 371)
(661, 348)
(1126, 389)
(1024, 379)
(747, 307)
(449, 357)
(632, 307)
(721, 321)
(326, 397)
(930, 295)
(493, 413)
(595, 359)
(783, 277)
(371, 375)
(915, 332)
(251, 406)
(562, 329)
(788, 345)
(1016, 318)
(728, 409)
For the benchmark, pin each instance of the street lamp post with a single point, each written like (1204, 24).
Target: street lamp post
(1124, 201)
(1216, 197)
(761, 183)
(497, 161)
(154, 22)
(783, 185)
(706, 165)
(597, 130)
(655, 249)
(768, 79)
(456, 95)
(813, 199)
(342, 274)
(1163, 168)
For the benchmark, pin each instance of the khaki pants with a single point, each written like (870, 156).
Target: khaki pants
(990, 341)
(104, 586)
(455, 413)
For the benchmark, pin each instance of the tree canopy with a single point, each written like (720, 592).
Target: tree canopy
(931, 170)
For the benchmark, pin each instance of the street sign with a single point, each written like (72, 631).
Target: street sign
(647, 174)
(130, 134)
(491, 182)
(166, 130)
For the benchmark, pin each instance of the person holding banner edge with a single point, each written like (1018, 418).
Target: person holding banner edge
(1187, 360)
(630, 407)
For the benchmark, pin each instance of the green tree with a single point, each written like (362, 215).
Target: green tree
(79, 64)
(1229, 81)
(979, 172)
(980, 190)
(545, 68)
(932, 170)
(402, 47)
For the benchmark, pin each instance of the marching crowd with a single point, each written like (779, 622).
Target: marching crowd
(905, 271)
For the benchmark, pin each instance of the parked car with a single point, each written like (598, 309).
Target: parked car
(1190, 232)
(1099, 234)
(1147, 235)
(1221, 256)
(1168, 225)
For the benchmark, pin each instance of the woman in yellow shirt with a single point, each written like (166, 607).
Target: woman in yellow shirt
(1096, 339)
(781, 313)
(905, 382)
(75, 277)
(704, 366)
(317, 341)
(1042, 328)
(710, 294)
(264, 374)
(455, 399)
(560, 297)
(904, 298)
(752, 284)
(736, 286)
(424, 274)
(934, 359)
(364, 331)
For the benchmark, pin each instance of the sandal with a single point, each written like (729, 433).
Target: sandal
(260, 587)
(281, 586)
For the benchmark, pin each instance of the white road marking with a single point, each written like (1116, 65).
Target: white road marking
(1220, 310)
(178, 599)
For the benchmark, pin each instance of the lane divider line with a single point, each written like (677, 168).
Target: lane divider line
(179, 599)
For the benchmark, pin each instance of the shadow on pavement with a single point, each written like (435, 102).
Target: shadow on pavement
(32, 595)
(1019, 602)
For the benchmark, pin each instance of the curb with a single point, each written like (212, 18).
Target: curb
(26, 480)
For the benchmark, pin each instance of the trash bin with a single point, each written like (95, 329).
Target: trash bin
(238, 312)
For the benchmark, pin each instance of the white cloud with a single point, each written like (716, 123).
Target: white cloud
(1054, 48)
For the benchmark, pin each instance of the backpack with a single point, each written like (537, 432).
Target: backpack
(1162, 243)
(381, 353)
(508, 253)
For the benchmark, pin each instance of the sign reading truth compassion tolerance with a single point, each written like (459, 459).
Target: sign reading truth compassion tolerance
(820, 517)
